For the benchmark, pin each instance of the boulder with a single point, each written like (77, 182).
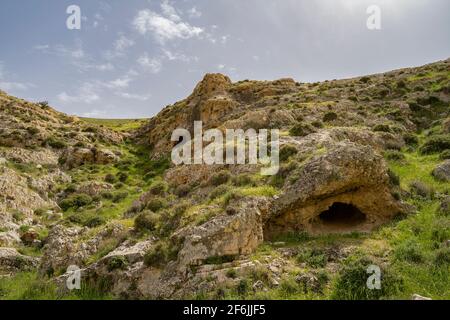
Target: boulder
(12, 261)
(75, 157)
(442, 171)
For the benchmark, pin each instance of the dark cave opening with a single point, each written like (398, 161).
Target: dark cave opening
(341, 215)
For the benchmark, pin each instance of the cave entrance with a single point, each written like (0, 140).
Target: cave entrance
(339, 217)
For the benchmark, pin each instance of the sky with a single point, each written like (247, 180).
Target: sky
(130, 59)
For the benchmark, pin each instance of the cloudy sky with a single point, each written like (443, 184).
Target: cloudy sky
(131, 58)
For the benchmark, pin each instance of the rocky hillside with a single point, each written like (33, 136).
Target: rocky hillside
(364, 179)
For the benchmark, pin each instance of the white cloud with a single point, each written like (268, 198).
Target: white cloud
(152, 64)
(169, 11)
(95, 113)
(119, 83)
(85, 94)
(133, 96)
(221, 66)
(176, 56)
(10, 86)
(123, 43)
(164, 28)
(194, 13)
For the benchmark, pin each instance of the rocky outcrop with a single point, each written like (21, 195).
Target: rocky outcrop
(75, 157)
(237, 232)
(442, 171)
(346, 189)
(12, 261)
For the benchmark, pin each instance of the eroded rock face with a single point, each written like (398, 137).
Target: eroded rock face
(12, 261)
(228, 235)
(346, 189)
(75, 157)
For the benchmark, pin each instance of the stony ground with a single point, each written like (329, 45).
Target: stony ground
(364, 181)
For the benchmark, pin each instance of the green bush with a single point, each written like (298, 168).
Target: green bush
(409, 251)
(122, 176)
(117, 262)
(55, 143)
(445, 155)
(394, 179)
(287, 151)
(75, 201)
(182, 190)
(382, 128)
(110, 178)
(410, 139)
(436, 144)
(219, 178)
(218, 192)
(394, 155)
(93, 221)
(146, 221)
(421, 189)
(242, 180)
(330, 116)
(158, 188)
(119, 196)
(301, 130)
(442, 257)
(157, 256)
(156, 204)
(352, 282)
(313, 257)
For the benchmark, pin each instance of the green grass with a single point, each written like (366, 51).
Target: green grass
(418, 167)
(29, 286)
(120, 125)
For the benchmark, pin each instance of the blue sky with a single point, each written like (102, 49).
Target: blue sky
(132, 58)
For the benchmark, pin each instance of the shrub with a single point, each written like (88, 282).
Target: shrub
(301, 130)
(156, 204)
(242, 287)
(92, 221)
(158, 188)
(436, 144)
(157, 256)
(330, 116)
(243, 179)
(122, 176)
(32, 130)
(218, 191)
(382, 128)
(146, 221)
(219, 178)
(55, 143)
(119, 196)
(317, 124)
(313, 258)
(444, 155)
(75, 201)
(110, 178)
(287, 151)
(421, 189)
(231, 273)
(442, 257)
(352, 281)
(394, 155)
(117, 262)
(409, 251)
(182, 190)
(410, 139)
(364, 79)
(107, 195)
